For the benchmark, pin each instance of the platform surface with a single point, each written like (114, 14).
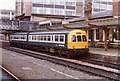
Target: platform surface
(109, 52)
(110, 56)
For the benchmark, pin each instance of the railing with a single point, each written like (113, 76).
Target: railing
(9, 25)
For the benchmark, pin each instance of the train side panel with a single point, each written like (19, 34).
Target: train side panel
(38, 40)
(18, 40)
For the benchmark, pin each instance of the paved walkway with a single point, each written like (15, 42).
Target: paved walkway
(109, 52)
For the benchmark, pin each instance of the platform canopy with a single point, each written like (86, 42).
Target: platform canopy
(105, 22)
(96, 23)
(108, 22)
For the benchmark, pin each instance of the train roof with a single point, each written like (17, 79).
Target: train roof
(20, 33)
(44, 32)
(50, 32)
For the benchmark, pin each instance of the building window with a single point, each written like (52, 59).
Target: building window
(117, 34)
(69, 12)
(101, 35)
(97, 34)
(70, 3)
(90, 34)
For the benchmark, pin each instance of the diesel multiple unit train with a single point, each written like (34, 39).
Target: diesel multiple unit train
(70, 43)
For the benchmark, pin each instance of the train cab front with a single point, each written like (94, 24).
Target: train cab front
(77, 40)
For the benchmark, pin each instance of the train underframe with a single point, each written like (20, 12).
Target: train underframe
(69, 53)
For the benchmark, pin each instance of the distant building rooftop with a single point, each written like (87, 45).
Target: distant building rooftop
(7, 14)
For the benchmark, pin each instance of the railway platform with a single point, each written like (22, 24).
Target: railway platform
(110, 56)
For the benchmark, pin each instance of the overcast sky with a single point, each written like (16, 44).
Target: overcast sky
(7, 4)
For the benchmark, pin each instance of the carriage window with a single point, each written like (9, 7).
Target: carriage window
(38, 37)
(79, 38)
(73, 38)
(84, 38)
(11, 37)
(52, 38)
(22, 37)
(56, 38)
(35, 37)
(61, 38)
(32, 37)
(41, 37)
(49, 38)
(44, 37)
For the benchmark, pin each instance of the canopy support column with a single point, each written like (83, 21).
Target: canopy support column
(105, 39)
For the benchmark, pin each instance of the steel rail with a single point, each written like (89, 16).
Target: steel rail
(102, 63)
(86, 68)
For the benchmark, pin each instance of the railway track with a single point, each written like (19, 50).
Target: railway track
(8, 75)
(101, 63)
(107, 72)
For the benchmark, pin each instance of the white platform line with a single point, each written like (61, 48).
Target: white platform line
(10, 73)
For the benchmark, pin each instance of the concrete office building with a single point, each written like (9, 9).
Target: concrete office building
(60, 7)
(52, 12)
(101, 5)
(6, 14)
(50, 8)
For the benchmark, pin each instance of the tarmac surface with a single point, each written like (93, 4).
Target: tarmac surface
(26, 67)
